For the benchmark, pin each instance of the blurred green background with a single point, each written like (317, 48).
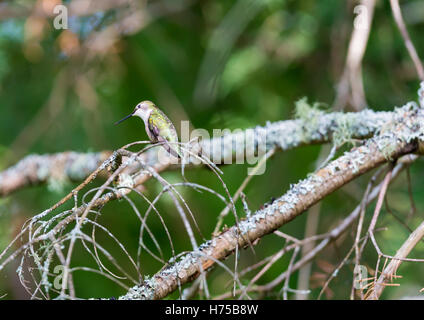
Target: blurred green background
(219, 64)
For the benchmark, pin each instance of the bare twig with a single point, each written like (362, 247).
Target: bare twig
(390, 271)
(397, 14)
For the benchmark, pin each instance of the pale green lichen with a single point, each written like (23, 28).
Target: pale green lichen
(406, 126)
(358, 158)
(344, 131)
(310, 115)
(387, 147)
(146, 291)
(307, 112)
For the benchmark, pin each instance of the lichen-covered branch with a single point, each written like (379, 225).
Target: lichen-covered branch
(404, 134)
(38, 169)
(313, 127)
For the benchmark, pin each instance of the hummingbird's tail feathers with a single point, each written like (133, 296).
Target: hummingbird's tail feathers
(170, 147)
(172, 151)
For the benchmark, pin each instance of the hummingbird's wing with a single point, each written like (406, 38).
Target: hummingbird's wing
(153, 134)
(162, 130)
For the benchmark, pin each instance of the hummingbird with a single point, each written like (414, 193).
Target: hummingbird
(158, 126)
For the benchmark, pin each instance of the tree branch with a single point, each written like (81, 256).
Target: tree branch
(38, 169)
(404, 134)
(316, 127)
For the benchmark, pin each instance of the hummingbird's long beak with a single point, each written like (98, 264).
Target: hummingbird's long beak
(128, 116)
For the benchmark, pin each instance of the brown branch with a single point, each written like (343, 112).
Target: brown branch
(326, 238)
(351, 87)
(389, 144)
